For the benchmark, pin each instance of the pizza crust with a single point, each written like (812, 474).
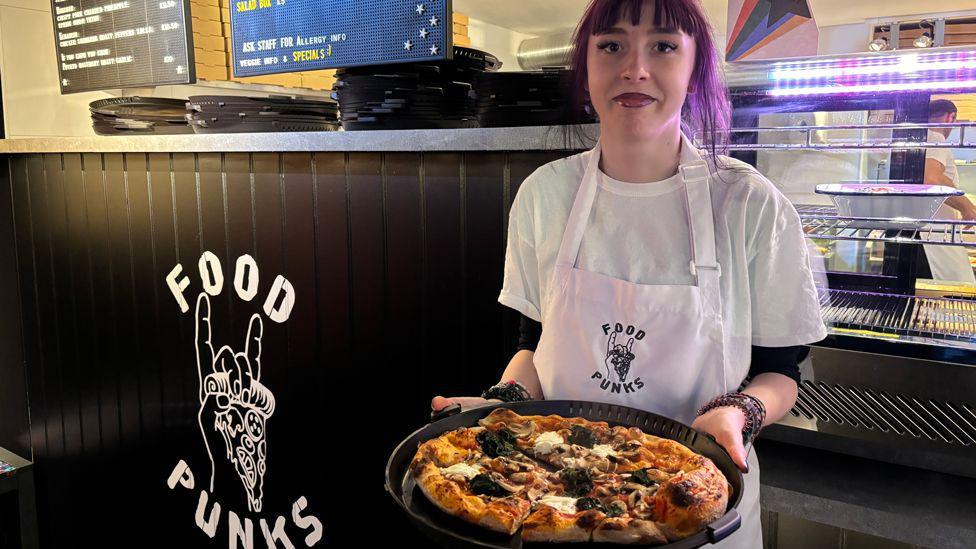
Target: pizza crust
(502, 515)
(448, 496)
(692, 499)
(548, 525)
(441, 452)
(625, 530)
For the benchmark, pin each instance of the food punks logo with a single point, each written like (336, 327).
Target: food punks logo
(236, 407)
(617, 376)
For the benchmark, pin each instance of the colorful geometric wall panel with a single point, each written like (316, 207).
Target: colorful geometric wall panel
(768, 29)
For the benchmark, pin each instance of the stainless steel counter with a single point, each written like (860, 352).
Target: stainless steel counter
(536, 138)
(895, 502)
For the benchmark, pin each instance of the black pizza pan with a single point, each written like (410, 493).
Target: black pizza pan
(135, 105)
(448, 531)
(374, 123)
(206, 126)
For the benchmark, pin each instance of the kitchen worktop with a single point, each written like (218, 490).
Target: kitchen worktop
(477, 139)
(910, 505)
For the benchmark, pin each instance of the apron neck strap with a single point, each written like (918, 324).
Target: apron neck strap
(580, 212)
(697, 178)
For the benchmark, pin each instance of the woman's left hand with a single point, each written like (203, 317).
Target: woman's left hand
(725, 424)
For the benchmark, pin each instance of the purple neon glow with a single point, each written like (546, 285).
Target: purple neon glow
(908, 64)
(917, 71)
(868, 88)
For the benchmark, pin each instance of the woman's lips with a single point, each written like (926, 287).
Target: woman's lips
(633, 100)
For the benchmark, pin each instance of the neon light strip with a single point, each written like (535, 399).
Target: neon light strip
(906, 64)
(868, 88)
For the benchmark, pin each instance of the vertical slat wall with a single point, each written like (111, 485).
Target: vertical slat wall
(14, 413)
(396, 260)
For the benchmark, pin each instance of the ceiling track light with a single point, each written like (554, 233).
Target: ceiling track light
(880, 43)
(885, 43)
(925, 40)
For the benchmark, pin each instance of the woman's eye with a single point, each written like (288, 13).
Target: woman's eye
(612, 47)
(665, 47)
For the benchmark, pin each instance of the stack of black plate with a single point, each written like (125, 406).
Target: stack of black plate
(527, 98)
(436, 94)
(139, 116)
(235, 114)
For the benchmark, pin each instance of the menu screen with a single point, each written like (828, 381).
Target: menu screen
(106, 44)
(273, 36)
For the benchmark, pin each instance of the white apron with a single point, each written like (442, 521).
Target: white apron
(653, 347)
(949, 263)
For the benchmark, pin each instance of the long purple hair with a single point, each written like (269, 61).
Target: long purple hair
(708, 109)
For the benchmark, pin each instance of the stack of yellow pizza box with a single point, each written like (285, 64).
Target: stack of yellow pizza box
(209, 49)
(461, 37)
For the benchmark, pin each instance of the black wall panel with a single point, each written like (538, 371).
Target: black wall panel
(14, 413)
(396, 263)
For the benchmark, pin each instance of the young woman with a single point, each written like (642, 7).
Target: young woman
(663, 276)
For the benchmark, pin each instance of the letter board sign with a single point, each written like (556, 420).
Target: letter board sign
(276, 36)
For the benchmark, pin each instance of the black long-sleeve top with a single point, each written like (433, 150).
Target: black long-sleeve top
(781, 360)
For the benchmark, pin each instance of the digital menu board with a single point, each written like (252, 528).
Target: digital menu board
(107, 44)
(274, 36)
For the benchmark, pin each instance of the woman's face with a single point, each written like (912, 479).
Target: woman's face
(638, 76)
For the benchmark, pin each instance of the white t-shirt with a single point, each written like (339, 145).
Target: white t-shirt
(640, 233)
(944, 156)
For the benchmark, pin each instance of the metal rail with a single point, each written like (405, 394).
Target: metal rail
(851, 144)
(940, 321)
(823, 222)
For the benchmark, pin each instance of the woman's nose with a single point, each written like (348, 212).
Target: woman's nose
(635, 66)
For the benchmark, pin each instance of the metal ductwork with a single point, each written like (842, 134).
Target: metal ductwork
(545, 51)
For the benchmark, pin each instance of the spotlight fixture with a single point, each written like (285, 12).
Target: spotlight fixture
(925, 40)
(878, 44)
(884, 43)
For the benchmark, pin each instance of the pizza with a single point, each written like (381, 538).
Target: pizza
(561, 479)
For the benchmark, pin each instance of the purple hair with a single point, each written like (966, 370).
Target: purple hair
(707, 109)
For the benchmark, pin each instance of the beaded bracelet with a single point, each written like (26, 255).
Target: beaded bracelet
(751, 406)
(759, 403)
(508, 391)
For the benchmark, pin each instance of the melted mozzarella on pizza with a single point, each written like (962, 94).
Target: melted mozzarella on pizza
(603, 450)
(461, 469)
(546, 441)
(560, 503)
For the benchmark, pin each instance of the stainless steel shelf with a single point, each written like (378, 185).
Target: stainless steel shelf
(823, 222)
(863, 142)
(527, 138)
(938, 321)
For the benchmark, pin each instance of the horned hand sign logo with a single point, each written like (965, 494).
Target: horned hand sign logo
(235, 407)
(233, 402)
(618, 360)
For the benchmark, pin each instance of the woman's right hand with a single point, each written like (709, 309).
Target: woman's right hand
(438, 403)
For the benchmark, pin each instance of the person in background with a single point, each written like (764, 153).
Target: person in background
(948, 263)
